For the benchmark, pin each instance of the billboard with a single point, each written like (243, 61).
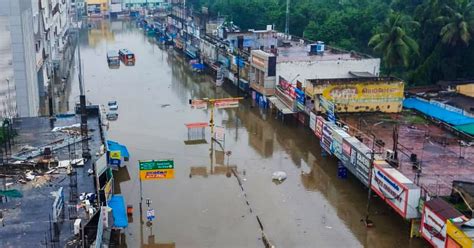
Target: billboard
(364, 92)
(396, 190)
(338, 136)
(156, 169)
(326, 138)
(319, 126)
(312, 121)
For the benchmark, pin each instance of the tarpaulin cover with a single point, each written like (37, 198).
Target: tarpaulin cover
(117, 203)
(468, 128)
(198, 66)
(115, 146)
(437, 112)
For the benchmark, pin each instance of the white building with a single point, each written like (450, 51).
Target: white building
(18, 78)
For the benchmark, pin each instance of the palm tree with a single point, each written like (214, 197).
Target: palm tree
(458, 21)
(393, 42)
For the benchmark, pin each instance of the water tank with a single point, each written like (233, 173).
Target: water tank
(319, 47)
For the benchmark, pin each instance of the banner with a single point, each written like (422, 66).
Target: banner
(312, 121)
(364, 92)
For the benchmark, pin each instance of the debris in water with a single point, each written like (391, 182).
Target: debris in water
(279, 176)
(165, 105)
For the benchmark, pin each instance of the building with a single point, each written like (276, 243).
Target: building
(150, 4)
(299, 61)
(18, 77)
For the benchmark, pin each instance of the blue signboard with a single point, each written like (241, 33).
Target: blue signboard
(300, 99)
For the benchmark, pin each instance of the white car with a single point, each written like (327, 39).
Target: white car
(113, 105)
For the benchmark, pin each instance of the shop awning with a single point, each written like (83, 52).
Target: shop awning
(115, 146)
(117, 203)
(280, 105)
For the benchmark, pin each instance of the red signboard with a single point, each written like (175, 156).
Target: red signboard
(319, 126)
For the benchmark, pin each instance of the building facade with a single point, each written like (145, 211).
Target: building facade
(18, 77)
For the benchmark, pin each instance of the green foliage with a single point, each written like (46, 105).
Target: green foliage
(422, 41)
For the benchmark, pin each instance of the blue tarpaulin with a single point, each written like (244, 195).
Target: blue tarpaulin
(437, 112)
(115, 146)
(198, 66)
(117, 203)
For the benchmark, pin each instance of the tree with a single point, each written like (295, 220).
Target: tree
(311, 30)
(393, 42)
(458, 20)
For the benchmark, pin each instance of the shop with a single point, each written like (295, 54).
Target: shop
(396, 189)
(436, 214)
(117, 155)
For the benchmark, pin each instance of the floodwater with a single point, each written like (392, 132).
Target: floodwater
(203, 206)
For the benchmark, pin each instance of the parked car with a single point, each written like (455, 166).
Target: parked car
(112, 116)
(113, 105)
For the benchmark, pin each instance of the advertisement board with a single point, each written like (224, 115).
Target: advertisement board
(396, 189)
(433, 228)
(326, 139)
(318, 130)
(338, 136)
(227, 103)
(156, 169)
(300, 99)
(364, 92)
(312, 121)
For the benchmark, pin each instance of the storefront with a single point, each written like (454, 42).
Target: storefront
(436, 214)
(396, 189)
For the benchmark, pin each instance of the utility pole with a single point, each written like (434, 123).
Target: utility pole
(287, 21)
(82, 102)
(367, 221)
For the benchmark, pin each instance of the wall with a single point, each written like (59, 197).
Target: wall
(466, 89)
(23, 55)
(325, 68)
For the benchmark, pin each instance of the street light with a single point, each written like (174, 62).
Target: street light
(367, 221)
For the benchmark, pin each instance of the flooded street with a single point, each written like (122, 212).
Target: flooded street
(202, 206)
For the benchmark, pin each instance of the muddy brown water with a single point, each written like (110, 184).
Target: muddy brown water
(311, 208)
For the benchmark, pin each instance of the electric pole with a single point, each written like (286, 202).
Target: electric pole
(287, 21)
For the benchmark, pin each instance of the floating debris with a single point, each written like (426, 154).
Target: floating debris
(279, 176)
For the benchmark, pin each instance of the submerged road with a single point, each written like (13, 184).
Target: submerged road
(202, 206)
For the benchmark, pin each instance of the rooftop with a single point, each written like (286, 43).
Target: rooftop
(353, 80)
(298, 50)
(32, 214)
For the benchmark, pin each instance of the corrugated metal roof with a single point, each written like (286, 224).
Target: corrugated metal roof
(442, 209)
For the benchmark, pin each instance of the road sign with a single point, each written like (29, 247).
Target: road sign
(226, 103)
(156, 164)
(150, 214)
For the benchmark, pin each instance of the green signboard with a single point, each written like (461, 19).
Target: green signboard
(156, 164)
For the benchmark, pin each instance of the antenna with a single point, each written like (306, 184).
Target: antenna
(287, 21)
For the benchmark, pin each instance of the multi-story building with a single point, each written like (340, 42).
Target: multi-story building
(18, 77)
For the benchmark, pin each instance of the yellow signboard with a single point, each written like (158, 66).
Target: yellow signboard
(457, 235)
(157, 174)
(108, 189)
(363, 92)
(115, 155)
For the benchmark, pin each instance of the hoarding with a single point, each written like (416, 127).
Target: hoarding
(363, 92)
(396, 190)
(227, 103)
(198, 104)
(157, 174)
(433, 228)
(338, 137)
(300, 99)
(326, 139)
(312, 121)
(156, 169)
(353, 158)
(319, 126)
